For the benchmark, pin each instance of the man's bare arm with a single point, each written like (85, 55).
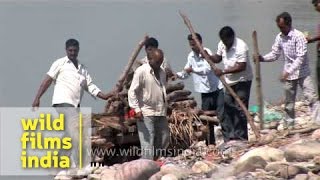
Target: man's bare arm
(42, 89)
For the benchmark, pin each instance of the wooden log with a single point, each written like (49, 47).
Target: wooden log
(258, 78)
(178, 93)
(209, 113)
(182, 98)
(209, 119)
(184, 104)
(229, 89)
(127, 69)
(173, 87)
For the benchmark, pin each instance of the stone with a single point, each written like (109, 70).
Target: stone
(108, 174)
(302, 151)
(316, 135)
(98, 171)
(203, 167)
(250, 164)
(266, 152)
(157, 176)
(169, 177)
(316, 160)
(301, 177)
(94, 177)
(179, 172)
(285, 170)
(137, 170)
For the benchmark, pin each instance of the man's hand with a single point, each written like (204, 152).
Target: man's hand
(139, 116)
(218, 72)
(189, 70)
(284, 76)
(173, 77)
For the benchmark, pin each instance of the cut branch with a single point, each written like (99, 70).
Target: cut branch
(258, 78)
(127, 69)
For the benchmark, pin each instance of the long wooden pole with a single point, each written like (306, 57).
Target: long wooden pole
(258, 78)
(229, 89)
(133, 57)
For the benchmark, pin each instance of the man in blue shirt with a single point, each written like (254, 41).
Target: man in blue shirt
(205, 81)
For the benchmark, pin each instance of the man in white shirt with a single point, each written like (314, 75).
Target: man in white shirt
(150, 44)
(147, 96)
(205, 82)
(234, 54)
(71, 78)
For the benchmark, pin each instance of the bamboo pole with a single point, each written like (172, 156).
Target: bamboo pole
(233, 94)
(133, 57)
(258, 78)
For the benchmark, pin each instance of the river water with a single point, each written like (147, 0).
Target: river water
(33, 33)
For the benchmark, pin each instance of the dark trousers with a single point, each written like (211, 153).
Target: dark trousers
(234, 122)
(213, 101)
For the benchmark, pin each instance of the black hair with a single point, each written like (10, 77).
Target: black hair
(315, 2)
(72, 42)
(151, 42)
(286, 17)
(226, 32)
(198, 37)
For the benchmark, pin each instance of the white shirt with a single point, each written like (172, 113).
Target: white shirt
(204, 80)
(70, 82)
(239, 52)
(147, 94)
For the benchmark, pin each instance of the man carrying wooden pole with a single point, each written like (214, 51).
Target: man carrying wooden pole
(232, 94)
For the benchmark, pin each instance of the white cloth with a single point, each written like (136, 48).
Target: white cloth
(70, 82)
(146, 93)
(204, 80)
(239, 52)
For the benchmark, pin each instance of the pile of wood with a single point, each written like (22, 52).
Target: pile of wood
(187, 123)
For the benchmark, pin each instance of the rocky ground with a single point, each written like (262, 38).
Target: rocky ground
(278, 154)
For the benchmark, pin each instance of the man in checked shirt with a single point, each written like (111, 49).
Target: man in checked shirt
(293, 45)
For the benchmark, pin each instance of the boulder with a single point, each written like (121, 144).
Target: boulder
(302, 151)
(301, 177)
(180, 173)
(266, 152)
(285, 170)
(137, 170)
(316, 135)
(108, 174)
(203, 167)
(169, 177)
(250, 164)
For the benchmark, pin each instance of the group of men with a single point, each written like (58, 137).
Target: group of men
(147, 93)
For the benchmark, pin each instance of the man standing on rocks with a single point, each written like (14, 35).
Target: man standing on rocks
(293, 45)
(316, 4)
(205, 82)
(147, 96)
(234, 53)
(151, 44)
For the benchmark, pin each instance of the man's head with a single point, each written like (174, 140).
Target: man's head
(150, 44)
(316, 4)
(284, 22)
(227, 36)
(192, 42)
(72, 49)
(156, 59)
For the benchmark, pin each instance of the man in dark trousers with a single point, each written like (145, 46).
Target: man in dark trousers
(234, 53)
